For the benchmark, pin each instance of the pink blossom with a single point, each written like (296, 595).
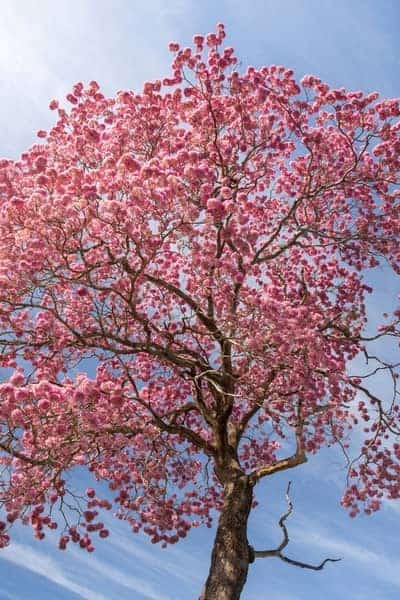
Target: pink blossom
(129, 163)
(173, 47)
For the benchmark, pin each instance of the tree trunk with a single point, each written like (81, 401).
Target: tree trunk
(231, 553)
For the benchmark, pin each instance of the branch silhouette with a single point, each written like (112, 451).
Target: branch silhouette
(277, 552)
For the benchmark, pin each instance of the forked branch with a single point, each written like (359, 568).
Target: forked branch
(277, 552)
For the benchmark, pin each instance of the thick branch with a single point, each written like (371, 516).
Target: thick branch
(280, 465)
(35, 462)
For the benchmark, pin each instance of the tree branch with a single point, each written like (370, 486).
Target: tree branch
(277, 552)
(280, 465)
(298, 458)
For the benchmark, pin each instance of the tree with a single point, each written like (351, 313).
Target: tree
(183, 284)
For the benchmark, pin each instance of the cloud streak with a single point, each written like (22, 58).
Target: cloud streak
(182, 566)
(85, 569)
(42, 564)
(119, 577)
(380, 566)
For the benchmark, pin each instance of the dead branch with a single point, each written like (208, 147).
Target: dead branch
(277, 552)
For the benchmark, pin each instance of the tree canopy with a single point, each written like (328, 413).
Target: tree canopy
(184, 276)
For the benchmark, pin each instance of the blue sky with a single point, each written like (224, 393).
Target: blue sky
(45, 47)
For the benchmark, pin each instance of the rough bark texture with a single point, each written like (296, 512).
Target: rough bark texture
(231, 554)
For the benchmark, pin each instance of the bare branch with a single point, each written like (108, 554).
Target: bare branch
(277, 552)
(298, 563)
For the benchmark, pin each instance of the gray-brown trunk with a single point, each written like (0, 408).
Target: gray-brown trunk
(231, 554)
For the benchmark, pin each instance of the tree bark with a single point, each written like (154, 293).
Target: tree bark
(231, 554)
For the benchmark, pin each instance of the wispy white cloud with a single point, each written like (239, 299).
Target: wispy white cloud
(80, 572)
(119, 577)
(380, 566)
(174, 562)
(42, 564)
(126, 568)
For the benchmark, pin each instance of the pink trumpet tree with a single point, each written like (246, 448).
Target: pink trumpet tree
(183, 284)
